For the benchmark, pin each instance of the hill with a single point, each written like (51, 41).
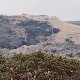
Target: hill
(30, 33)
(16, 31)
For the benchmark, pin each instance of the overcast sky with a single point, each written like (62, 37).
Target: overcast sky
(64, 9)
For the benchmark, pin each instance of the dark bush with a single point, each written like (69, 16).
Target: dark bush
(39, 66)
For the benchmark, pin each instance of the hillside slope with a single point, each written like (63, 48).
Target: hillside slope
(67, 30)
(16, 31)
(30, 33)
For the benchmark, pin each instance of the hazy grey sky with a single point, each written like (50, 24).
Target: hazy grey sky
(64, 9)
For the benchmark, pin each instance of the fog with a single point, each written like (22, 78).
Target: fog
(64, 9)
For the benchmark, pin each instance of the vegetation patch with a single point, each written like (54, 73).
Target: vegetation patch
(38, 66)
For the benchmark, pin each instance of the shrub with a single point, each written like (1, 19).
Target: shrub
(39, 66)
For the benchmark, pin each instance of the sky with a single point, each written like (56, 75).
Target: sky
(63, 9)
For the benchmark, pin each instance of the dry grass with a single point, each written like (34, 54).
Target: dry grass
(67, 30)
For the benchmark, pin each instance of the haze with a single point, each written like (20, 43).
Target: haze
(64, 9)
